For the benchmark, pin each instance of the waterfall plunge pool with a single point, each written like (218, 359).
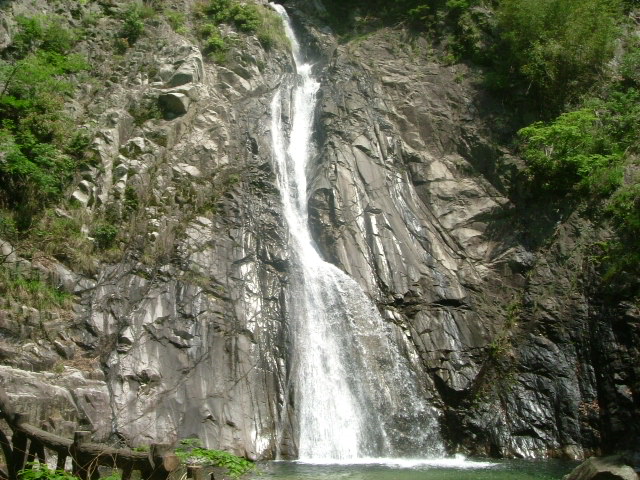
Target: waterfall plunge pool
(457, 468)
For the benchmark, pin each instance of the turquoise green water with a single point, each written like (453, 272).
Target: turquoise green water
(454, 469)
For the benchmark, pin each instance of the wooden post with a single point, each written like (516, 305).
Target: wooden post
(8, 455)
(80, 465)
(162, 461)
(62, 461)
(19, 450)
(126, 471)
(39, 450)
(194, 472)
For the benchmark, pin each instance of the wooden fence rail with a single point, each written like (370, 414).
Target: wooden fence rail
(28, 444)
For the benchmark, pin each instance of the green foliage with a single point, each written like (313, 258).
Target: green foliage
(247, 18)
(188, 443)
(39, 153)
(584, 150)
(621, 257)
(556, 47)
(28, 288)
(62, 238)
(176, 20)
(498, 348)
(90, 19)
(145, 110)
(191, 451)
(244, 17)
(39, 471)
(115, 475)
(8, 227)
(434, 15)
(133, 26)
(630, 64)
(590, 153)
(131, 200)
(569, 151)
(43, 33)
(514, 310)
(104, 235)
(271, 32)
(215, 44)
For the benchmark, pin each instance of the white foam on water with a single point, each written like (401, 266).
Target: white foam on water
(456, 462)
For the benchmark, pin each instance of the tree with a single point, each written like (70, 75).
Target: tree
(558, 46)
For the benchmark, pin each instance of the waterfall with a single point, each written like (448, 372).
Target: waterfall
(355, 394)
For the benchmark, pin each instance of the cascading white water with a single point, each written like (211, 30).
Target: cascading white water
(355, 394)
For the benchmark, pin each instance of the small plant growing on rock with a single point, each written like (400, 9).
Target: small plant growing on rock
(191, 451)
(248, 18)
(176, 20)
(104, 235)
(133, 26)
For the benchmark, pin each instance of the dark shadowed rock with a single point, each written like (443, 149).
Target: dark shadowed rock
(174, 103)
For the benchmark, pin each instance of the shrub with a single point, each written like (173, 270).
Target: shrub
(131, 200)
(176, 20)
(621, 258)
(589, 153)
(569, 151)
(8, 229)
(32, 174)
(39, 152)
(62, 237)
(585, 148)
(630, 65)
(42, 33)
(133, 26)
(147, 109)
(191, 451)
(104, 235)
(248, 18)
(557, 47)
(271, 32)
(31, 290)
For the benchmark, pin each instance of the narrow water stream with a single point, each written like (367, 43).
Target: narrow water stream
(355, 394)
(360, 412)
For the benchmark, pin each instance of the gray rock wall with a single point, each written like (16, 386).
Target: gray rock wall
(182, 330)
(412, 195)
(188, 317)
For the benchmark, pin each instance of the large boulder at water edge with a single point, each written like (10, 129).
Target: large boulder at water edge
(603, 468)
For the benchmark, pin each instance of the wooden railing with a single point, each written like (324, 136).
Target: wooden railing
(28, 444)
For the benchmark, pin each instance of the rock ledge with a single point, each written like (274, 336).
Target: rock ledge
(603, 468)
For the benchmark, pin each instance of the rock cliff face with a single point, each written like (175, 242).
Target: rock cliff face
(184, 333)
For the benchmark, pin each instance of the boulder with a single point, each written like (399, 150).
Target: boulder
(190, 70)
(603, 468)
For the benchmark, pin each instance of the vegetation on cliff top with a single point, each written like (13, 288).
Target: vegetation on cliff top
(244, 17)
